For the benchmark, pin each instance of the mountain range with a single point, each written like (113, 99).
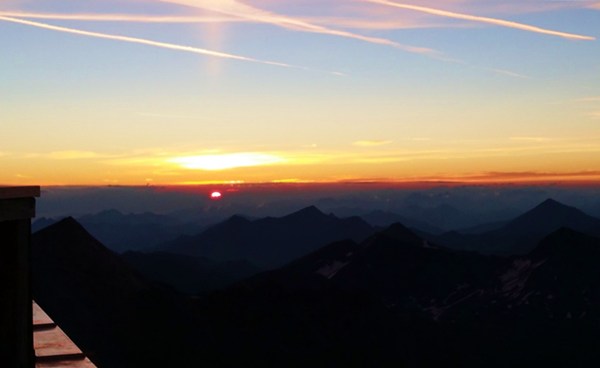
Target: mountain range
(270, 242)
(116, 315)
(398, 300)
(130, 232)
(521, 234)
(392, 297)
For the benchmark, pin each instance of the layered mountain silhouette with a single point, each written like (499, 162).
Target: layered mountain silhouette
(129, 232)
(398, 267)
(391, 299)
(115, 315)
(563, 277)
(430, 306)
(142, 232)
(521, 235)
(270, 242)
(386, 218)
(551, 215)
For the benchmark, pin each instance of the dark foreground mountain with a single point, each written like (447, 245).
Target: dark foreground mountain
(116, 316)
(270, 242)
(397, 300)
(41, 222)
(392, 300)
(523, 233)
(544, 309)
(189, 274)
(560, 278)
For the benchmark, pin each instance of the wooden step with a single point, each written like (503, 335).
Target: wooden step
(41, 321)
(53, 348)
(53, 344)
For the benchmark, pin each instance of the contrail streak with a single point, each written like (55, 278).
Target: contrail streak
(146, 18)
(237, 9)
(142, 41)
(474, 18)
(123, 17)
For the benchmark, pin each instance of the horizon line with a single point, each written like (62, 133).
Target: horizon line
(366, 183)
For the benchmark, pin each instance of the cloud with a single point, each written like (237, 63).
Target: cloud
(226, 161)
(167, 116)
(534, 176)
(594, 115)
(69, 155)
(291, 181)
(530, 139)
(72, 155)
(589, 99)
(143, 41)
(507, 73)
(474, 18)
(371, 143)
(235, 8)
(419, 139)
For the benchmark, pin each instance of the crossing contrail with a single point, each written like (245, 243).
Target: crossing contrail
(474, 18)
(238, 9)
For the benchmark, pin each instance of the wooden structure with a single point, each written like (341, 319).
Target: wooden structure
(17, 208)
(53, 348)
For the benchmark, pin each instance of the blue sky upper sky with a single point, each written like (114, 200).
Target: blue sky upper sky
(181, 91)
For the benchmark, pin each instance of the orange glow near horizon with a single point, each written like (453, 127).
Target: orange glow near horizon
(183, 92)
(522, 158)
(484, 179)
(280, 168)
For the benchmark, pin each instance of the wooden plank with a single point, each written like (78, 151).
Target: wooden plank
(77, 363)
(54, 344)
(40, 319)
(53, 348)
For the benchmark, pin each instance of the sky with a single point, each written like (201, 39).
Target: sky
(160, 92)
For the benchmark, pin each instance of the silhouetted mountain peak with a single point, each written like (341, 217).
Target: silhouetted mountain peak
(566, 242)
(400, 232)
(68, 221)
(237, 219)
(67, 225)
(552, 205)
(271, 241)
(307, 213)
(68, 235)
(548, 217)
(233, 224)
